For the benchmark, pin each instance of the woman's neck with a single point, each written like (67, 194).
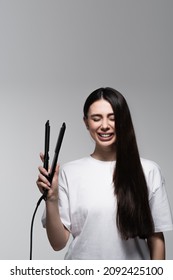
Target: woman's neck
(106, 154)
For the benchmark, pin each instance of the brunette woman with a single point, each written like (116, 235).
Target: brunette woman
(112, 202)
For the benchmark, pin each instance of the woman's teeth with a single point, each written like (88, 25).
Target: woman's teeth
(105, 135)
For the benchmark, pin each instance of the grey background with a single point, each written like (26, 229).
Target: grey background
(52, 55)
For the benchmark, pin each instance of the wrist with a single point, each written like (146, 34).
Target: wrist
(51, 200)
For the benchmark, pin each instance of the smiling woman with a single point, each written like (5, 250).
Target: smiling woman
(113, 202)
(100, 122)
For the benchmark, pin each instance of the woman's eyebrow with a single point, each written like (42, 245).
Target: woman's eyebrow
(96, 115)
(100, 115)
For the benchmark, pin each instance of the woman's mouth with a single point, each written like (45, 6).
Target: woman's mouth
(105, 136)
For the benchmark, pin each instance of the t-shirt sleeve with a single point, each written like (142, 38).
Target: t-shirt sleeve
(158, 201)
(63, 202)
(64, 207)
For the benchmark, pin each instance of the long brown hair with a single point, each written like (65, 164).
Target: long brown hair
(130, 188)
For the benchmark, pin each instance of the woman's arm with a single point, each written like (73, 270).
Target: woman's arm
(57, 234)
(156, 244)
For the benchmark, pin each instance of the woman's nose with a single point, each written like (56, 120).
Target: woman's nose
(105, 124)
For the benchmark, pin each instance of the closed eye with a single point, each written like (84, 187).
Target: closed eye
(112, 118)
(96, 119)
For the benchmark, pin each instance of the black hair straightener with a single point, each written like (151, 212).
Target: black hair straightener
(46, 152)
(46, 166)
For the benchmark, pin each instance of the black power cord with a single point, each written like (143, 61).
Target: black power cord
(32, 224)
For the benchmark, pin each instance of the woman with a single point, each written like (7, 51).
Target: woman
(112, 202)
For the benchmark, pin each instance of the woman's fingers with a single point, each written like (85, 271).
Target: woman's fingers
(42, 157)
(43, 171)
(43, 181)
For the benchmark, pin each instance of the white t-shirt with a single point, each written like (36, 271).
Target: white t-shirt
(88, 210)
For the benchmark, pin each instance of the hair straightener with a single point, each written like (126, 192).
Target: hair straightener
(46, 152)
(46, 166)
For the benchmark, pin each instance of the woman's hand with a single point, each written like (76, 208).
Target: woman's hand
(44, 184)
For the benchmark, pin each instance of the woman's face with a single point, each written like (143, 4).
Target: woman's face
(101, 123)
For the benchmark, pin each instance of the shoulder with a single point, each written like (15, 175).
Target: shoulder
(75, 164)
(149, 165)
(153, 174)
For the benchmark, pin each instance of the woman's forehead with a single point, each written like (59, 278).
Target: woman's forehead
(101, 106)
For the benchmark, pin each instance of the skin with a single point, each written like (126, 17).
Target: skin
(100, 123)
(156, 244)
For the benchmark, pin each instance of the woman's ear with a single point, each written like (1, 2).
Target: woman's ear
(86, 122)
